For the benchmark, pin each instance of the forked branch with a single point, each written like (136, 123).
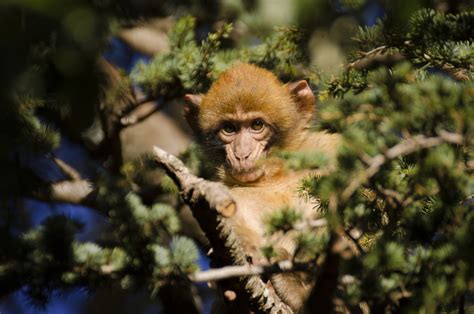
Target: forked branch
(405, 147)
(211, 203)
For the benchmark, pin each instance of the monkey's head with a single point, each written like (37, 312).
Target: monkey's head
(246, 113)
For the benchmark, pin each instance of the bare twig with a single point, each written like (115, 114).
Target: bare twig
(139, 113)
(72, 173)
(71, 191)
(311, 224)
(210, 203)
(351, 235)
(375, 56)
(249, 270)
(75, 190)
(380, 55)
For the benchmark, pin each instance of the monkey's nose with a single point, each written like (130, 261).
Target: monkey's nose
(242, 156)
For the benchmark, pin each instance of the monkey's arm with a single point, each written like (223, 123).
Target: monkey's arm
(210, 202)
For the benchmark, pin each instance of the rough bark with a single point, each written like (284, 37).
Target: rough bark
(211, 203)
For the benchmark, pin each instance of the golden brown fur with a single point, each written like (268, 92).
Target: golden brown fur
(223, 119)
(246, 88)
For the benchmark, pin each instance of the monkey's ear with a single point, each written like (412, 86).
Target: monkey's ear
(303, 95)
(193, 99)
(191, 111)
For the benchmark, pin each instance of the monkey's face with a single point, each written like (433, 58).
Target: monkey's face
(245, 142)
(246, 113)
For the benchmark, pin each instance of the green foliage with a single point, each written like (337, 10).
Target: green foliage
(184, 253)
(57, 45)
(309, 244)
(186, 68)
(195, 160)
(353, 4)
(412, 210)
(48, 50)
(166, 215)
(404, 171)
(269, 252)
(350, 80)
(181, 256)
(412, 206)
(281, 52)
(431, 39)
(303, 160)
(93, 257)
(283, 219)
(141, 237)
(190, 67)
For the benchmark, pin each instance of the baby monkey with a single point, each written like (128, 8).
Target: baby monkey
(246, 115)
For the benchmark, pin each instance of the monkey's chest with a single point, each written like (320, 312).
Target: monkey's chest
(259, 202)
(255, 205)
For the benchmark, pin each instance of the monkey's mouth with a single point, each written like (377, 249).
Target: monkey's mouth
(247, 175)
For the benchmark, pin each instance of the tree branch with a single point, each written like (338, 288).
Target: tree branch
(249, 270)
(311, 224)
(196, 190)
(321, 298)
(145, 40)
(69, 171)
(75, 190)
(405, 147)
(375, 57)
(211, 203)
(70, 191)
(140, 113)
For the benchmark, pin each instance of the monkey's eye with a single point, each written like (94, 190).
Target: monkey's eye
(257, 125)
(229, 128)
